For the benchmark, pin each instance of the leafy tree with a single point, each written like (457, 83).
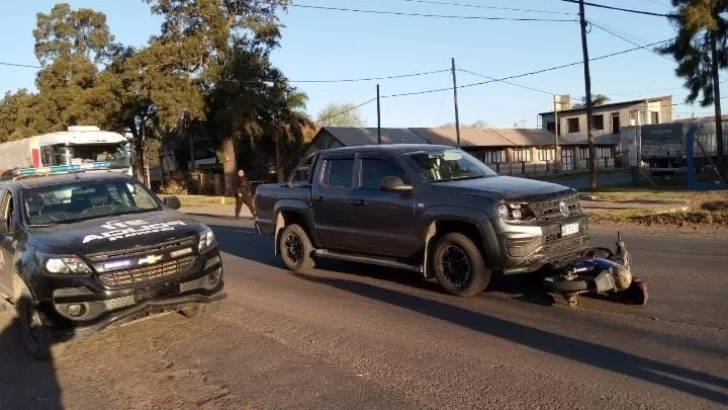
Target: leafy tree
(202, 33)
(701, 50)
(479, 124)
(340, 115)
(597, 99)
(69, 43)
(18, 115)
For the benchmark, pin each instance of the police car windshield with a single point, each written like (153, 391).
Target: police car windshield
(79, 201)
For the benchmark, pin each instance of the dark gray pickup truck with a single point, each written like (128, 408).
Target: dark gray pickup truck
(428, 208)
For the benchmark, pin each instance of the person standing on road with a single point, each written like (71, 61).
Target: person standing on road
(243, 194)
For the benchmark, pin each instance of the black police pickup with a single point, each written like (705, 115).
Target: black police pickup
(83, 248)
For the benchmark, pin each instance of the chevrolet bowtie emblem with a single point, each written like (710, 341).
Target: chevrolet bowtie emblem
(150, 260)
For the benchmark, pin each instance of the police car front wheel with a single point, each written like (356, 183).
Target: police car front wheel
(36, 337)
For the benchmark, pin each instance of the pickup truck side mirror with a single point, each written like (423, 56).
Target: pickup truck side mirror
(172, 202)
(394, 184)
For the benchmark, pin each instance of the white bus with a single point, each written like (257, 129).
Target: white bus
(77, 145)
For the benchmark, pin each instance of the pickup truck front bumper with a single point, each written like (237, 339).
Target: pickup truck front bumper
(74, 312)
(528, 248)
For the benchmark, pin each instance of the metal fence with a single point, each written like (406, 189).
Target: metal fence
(546, 168)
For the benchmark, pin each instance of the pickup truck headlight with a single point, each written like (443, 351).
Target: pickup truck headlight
(515, 212)
(207, 240)
(63, 265)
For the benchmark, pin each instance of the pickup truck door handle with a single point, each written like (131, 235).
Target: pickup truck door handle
(319, 199)
(360, 202)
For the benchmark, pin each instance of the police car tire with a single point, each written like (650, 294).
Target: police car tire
(306, 261)
(39, 346)
(200, 309)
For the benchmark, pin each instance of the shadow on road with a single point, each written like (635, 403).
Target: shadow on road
(260, 249)
(25, 383)
(667, 375)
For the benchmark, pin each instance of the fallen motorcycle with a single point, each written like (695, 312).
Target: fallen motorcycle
(599, 271)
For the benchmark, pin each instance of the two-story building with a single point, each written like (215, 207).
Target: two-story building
(608, 121)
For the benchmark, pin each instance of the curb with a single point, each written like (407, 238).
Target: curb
(218, 216)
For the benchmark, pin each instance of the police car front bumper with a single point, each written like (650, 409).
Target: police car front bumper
(80, 311)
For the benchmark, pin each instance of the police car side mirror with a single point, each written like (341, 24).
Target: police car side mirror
(172, 202)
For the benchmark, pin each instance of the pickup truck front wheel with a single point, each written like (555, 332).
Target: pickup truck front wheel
(459, 265)
(295, 248)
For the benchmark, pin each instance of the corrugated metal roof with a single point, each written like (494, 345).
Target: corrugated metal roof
(488, 137)
(605, 139)
(352, 136)
(469, 137)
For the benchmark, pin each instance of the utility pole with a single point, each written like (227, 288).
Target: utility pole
(587, 85)
(455, 97)
(557, 104)
(718, 116)
(379, 119)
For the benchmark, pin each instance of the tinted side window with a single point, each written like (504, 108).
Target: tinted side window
(340, 172)
(373, 170)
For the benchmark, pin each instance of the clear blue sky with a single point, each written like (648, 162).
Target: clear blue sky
(320, 44)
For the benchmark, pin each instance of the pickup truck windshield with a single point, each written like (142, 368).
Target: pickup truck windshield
(79, 201)
(447, 165)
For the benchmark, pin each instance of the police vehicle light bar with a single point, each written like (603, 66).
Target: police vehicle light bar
(63, 169)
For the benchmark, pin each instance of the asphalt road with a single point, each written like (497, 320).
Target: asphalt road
(356, 337)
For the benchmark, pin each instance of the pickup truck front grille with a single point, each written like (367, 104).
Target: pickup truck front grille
(147, 274)
(549, 210)
(520, 247)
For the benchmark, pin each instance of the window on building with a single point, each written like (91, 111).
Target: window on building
(654, 117)
(604, 152)
(373, 170)
(633, 118)
(546, 154)
(572, 124)
(494, 157)
(615, 123)
(522, 155)
(598, 122)
(584, 152)
(340, 172)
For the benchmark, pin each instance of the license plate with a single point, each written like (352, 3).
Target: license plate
(166, 289)
(569, 229)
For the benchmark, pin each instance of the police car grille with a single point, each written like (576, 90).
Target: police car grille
(143, 251)
(147, 274)
(549, 210)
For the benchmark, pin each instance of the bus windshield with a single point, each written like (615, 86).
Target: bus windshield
(115, 154)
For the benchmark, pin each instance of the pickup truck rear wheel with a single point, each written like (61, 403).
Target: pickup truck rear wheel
(459, 265)
(296, 248)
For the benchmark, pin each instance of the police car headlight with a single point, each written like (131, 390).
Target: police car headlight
(64, 265)
(207, 240)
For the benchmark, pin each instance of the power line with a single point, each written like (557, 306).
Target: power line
(604, 29)
(342, 80)
(444, 16)
(507, 82)
(600, 26)
(355, 80)
(480, 6)
(19, 65)
(523, 74)
(646, 13)
(328, 117)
